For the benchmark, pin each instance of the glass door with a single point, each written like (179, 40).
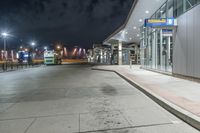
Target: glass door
(170, 54)
(167, 53)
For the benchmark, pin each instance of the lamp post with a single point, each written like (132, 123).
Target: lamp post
(4, 35)
(58, 47)
(33, 46)
(45, 48)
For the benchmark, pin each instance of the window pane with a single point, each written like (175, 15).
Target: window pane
(158, 14)
(170, 8)
(163, 11)
(178, 7)
(190, 3)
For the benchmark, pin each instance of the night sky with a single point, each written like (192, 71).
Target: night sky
(74, 22)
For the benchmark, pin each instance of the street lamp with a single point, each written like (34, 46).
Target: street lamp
(45, 48)
(33, 43)
(4, 35)
(26, 49)
(58, 47)
(33, 47)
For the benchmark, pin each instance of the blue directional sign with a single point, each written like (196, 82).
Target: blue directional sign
(167, 32)
(164, 22)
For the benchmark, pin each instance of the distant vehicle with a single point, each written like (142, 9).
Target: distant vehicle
(24, 57)
(52, 58)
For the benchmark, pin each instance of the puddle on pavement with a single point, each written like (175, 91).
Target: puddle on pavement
(109, 90)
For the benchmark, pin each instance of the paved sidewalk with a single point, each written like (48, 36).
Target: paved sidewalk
(179, 96)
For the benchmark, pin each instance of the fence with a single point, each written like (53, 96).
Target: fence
(10, 66)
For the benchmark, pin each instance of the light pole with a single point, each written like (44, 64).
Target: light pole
(45, 48)
(58, 47)
(21, 47)
(4, 35)
(33, 45)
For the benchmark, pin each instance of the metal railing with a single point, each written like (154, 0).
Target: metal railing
(11, 66)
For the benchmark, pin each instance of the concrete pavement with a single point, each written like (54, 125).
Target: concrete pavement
(73, 98)
(179, 96)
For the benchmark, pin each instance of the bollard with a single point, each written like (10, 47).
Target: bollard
(3, 67)
(11, 66)
(6, 66)
(131, 64)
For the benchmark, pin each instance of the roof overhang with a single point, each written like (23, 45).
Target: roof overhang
(129, 32)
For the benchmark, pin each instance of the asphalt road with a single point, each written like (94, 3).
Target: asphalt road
(74, 98)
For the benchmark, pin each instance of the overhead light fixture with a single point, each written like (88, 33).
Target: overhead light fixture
(134, 28)
(45, 48)
(4, 34)
(130, 38)
(140, 20)
(33, 43)
(138, 35)
(147, 12)
(126, 32)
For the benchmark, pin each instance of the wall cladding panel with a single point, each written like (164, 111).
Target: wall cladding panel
(179, 53)
(197, 42)
(187, 44)
(190, 43)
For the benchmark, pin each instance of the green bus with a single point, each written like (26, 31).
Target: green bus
(51, 58)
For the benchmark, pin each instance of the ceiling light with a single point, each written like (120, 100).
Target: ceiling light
(138, 35)
(147, 12)
(134, 28)
(126, 32)
(140, 20)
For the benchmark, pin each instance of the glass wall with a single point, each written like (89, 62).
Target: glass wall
(125, 57)
(181, 6)
(174, 8)
(170, 8)
(157, 47)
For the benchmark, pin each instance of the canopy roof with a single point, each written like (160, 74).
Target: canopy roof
(129, 32)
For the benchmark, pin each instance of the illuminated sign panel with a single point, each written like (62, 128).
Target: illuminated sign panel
(169, 22)
(167, 32)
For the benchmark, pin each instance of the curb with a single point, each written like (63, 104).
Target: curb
(184, 115)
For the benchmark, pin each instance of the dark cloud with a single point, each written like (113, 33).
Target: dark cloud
(64, 4)
(72, 21)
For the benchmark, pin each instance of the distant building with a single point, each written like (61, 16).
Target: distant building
(99, 54)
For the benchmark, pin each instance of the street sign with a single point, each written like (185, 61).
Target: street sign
(167, 32)
(160, 23)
